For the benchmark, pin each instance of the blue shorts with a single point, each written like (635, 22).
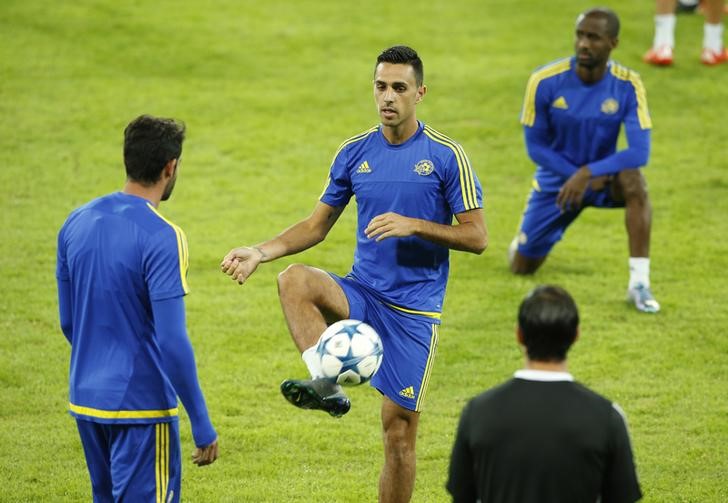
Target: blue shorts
(409, 341)
(543, 224)
(132, 462)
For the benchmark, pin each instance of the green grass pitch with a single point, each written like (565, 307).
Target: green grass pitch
(268, 91)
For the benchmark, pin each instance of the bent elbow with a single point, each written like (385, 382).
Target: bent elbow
(318, 237)
(480, 246)
(533, 154)
(641, 156)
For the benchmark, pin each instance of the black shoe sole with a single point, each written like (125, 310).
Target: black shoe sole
(304, 397)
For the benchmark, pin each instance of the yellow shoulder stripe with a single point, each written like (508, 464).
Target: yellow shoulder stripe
(624, 73)
(528, 115)
(467, 181)
(354, 139)
(122, 414)
(351, 140)
(182, 250)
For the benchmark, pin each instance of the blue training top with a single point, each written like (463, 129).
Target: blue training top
(569, 124)
(427, 177)
(119, 255)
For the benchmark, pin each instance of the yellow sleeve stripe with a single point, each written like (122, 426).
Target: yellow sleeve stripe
(122, 414)
(182, 250)
(428, 368)
(161, 462)
(467, 180)
(429, 314)
(624, 73)
(351, 140)
(528, 115)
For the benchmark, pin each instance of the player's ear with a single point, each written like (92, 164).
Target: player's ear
(170, 168)
(615, 43)
(421, 91)
(519, 336)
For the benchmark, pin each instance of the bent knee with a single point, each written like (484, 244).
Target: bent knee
(399, 436)
(632, 184)
(524, 266)
(293, 276)
(520, 269)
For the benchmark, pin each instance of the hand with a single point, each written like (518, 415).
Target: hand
(388, 225)
(599, 183)
(572, 192)
(205, 455)
(241, 262)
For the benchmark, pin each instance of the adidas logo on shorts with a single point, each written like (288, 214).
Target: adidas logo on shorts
(408, 392)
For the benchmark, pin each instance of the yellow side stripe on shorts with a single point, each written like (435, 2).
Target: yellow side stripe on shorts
(161, 464)
(428, 368)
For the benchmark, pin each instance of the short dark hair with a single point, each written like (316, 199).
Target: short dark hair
(608, 14)
(403, 55)
(549, 320)
(149, 144)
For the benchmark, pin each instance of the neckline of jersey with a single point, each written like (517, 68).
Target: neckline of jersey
(572, 66)
(410, 140)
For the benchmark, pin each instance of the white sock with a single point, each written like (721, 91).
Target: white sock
(713, 37)
(639, 271)
(664, 30)
(689, 3)
(313, 362)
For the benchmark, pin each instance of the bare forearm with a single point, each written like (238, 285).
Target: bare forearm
(467, 236)
(295, 239)
(241, 262)
(470, 234)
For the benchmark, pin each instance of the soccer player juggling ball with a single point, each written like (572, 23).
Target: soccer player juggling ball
(121, 273)
(409, 181)
(572, 114)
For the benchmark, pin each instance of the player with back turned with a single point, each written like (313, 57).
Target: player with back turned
(409, 182)
(121, 273)
(541, 436)
(572, 115)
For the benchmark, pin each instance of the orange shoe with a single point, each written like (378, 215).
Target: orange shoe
(712, 58)
(660, 56)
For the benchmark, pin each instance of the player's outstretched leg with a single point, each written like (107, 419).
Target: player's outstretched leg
(319, 394)
(310, 298)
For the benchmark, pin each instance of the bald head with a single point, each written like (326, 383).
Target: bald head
(610, 17)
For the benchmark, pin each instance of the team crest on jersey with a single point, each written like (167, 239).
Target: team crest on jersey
(610, 106)
(364, 168)
(424, 167)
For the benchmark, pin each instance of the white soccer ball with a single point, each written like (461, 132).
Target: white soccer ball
(350, 352)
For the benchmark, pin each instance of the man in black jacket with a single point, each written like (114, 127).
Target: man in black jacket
(541, 436)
